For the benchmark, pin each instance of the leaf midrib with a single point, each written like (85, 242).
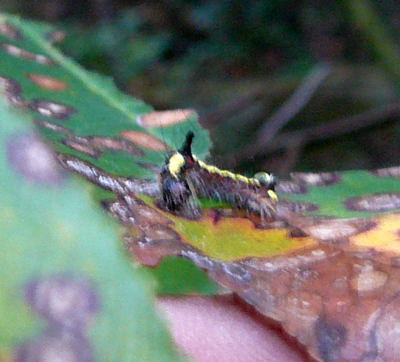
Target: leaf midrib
(69, 65)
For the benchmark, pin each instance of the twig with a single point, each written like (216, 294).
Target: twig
(288, 110)
(232, 108)
(336, 127)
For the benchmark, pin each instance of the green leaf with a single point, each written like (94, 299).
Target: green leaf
(349, 194)
(66, 286)
(179, 276)
(95, 106)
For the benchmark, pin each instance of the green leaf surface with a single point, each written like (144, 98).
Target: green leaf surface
(179, 276)
(98, 110)
(349, 194)
(64, 273)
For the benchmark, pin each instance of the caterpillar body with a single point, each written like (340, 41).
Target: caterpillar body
(184, 179)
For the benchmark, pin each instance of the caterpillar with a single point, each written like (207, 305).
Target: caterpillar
(184, 179)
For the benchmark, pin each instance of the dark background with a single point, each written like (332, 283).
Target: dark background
(281, 85)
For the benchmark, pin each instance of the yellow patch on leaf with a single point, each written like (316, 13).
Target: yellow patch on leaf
(384, 237)
(216, 239)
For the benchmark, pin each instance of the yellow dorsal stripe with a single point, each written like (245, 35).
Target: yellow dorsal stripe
(225, 173)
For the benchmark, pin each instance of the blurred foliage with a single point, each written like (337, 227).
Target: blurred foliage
(237, 61)
(68, 288)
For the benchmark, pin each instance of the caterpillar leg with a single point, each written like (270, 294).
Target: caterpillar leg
(254, 203)
(178, 198)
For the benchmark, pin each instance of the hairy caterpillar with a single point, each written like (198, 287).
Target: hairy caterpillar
(184, 178)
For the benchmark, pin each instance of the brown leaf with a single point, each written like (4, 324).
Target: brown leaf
(339, 299)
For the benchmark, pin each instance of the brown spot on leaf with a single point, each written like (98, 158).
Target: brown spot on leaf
(296, 233)
(56, 36)
(388, 172)
(17, 100)
(294, 261)
(297, 206)
(330, 337)
(336, 229)
(12, 91)
(52, 109)
(368, 280)
(145, 140)
(24, 54)
(63, 300)
(29, 156)
(365, 254)
(47, 82)
(375, 202)
(290, 187)
(317, 179)
(215, 216)
(164, 118)
(94, 145)
(53, 127)
(9, 85)
(114, 144)
(83, 147)
(56, 345)
(10, 31)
